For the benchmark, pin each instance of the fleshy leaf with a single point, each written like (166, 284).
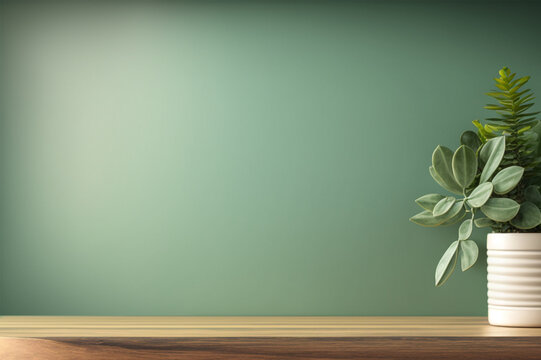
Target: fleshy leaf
(438, 179)
(507, 179)
(480, 195)
(500, 209)
(442, 159)
(465, 229)
(471, 139)
(443, 206)
(455, 219)
(425, 218)
(428, 201)
(447, 264)
(531, 194)
(464, 166)
(452, 213)
(484, 222)
(491, 153)
(468, 254)
(528, 216)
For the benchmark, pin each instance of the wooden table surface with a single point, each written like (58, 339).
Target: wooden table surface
(66, 337)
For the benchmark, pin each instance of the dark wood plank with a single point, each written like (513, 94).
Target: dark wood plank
(418, 348)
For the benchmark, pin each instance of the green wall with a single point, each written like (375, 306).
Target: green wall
(240, 158)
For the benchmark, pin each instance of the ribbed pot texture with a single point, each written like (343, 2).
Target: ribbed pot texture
(514, 279)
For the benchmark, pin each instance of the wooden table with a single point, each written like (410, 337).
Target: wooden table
(65, 337)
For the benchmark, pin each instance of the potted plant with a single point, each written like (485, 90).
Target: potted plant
(494, 179)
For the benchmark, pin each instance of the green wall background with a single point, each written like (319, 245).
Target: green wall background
(240, 158)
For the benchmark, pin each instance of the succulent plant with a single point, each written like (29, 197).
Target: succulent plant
(494, 176)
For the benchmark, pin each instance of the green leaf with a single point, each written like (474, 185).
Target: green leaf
(531, 194)
(443, 206)
(523, 80)
(455, 219)
(521, 130)
(480, 195)
(442, 159)
(438, 179)
(468, 254)
(471, 139)
(483, 134)
(492, 154)
(452, 213)
(489, 131)
(507, 179)
(528, 216)
(447, 264)
(428, 201)
(484, 222)
(464, 165)
(425, 218)
(494, 107)
(500, 209)
(493, 128)
(465, 229)
(498, 95)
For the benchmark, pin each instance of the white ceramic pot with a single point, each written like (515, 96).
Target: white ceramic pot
(514, 279)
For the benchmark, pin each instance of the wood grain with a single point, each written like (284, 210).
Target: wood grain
(275, 348)
(261, 338)
(327, 326)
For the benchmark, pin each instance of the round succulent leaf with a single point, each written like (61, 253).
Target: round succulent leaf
(470, 139)
(440, 181)
(491, 153)
(507, 179)
(480, 195)
(447, 264)
(442, 159)
(464, 164)
(455, 219)
(528, 216)
(437, 178)
(465, 229)
(483, 222)
(443, 206)
(425, 218)
(532, 194)
(428, 201)
(500, 209)
(468, 254)
(455, 209)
